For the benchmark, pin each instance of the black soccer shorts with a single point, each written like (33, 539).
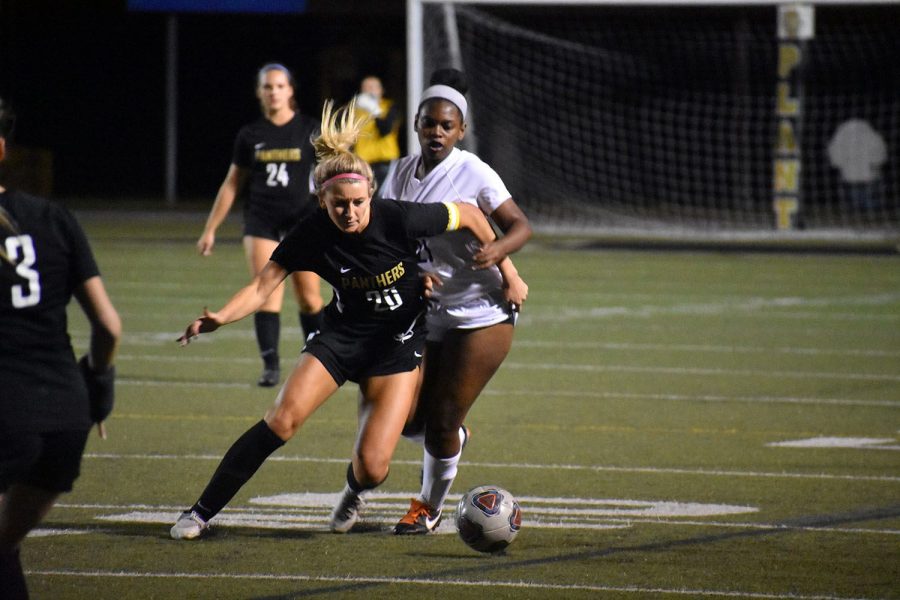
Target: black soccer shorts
(346, 357)
(49, 461)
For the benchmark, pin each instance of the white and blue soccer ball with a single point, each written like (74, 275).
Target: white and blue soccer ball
(488, 518)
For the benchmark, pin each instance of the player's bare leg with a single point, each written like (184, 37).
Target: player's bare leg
(385, 402)
(462, 364)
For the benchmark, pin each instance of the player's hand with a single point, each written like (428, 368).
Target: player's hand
(205, 243)
(101, 392)
(487, 256)
(210, 321)
(369, 103)
(515, 292)
(429, 282)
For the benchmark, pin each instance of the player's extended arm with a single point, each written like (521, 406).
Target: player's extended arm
(228, 191)
(245, 302)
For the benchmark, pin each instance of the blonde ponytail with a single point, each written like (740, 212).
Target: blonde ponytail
(334, 144)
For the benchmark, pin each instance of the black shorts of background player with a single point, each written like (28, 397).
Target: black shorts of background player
(374, 327)
(47, 399)
(271, 166)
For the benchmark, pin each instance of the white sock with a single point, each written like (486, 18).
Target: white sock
(437, 477)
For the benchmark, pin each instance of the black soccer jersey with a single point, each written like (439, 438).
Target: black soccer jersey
(377, 288)
(42, 388)
(280, 159)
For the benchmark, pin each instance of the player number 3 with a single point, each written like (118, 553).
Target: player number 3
(22, 247)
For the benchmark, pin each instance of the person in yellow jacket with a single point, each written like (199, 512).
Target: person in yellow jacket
(378, 141)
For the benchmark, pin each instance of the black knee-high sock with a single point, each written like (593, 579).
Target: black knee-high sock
(310, 323)
(238, 465)
(355, 485)
(268, 331)
(12, 579)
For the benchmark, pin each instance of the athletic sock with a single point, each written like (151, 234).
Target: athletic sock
(356, 486)
(268, 331)
(437, 477)
(238, 465)
(310, 323)
(12, 578)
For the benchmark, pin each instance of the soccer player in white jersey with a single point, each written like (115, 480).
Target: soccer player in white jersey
(471, 319)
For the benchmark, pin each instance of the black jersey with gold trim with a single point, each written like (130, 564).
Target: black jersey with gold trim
(41, 387)
(374, 273)
(280, 159)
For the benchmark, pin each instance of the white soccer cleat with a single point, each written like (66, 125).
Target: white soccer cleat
(346, 511)
(188, 526)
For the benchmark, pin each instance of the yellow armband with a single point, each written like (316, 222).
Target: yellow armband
(453, 221)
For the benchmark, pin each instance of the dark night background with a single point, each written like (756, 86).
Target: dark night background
(88, 83)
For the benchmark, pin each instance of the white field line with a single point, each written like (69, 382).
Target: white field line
(710, 372)
(713, 348)
(416, 581)
(385, 513)
(753, 306)
(554, 394)
(582, 345)
(698, 398)
(551, 467)
(693, 371)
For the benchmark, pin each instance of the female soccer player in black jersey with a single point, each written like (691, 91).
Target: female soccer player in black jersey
(271, 163)
(47, 399)
(374, 328)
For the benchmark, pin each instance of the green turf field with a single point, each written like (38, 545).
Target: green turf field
(674, 424)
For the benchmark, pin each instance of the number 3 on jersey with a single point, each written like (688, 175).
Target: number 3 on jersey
(278, 175)
(22, 247)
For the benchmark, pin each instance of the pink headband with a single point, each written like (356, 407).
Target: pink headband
(331, 180)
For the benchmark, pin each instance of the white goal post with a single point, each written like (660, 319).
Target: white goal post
(710, 117)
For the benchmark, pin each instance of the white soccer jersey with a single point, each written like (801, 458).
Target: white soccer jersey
(461, 177)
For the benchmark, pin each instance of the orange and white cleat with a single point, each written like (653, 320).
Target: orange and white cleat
(421, 519)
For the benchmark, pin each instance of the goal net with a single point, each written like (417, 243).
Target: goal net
(666, 118)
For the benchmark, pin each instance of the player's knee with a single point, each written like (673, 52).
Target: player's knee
(282, 424)
(373, 468)
(442, 441)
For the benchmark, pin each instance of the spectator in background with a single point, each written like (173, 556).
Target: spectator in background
(859, 152)
(47, 399)
(378, 142)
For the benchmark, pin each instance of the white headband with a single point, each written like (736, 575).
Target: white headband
(445, 92)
